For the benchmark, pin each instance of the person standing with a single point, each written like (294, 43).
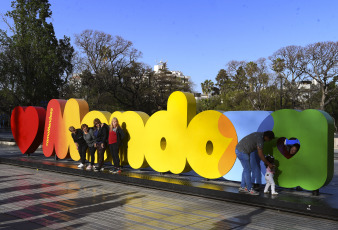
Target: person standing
(80, 143)
(252, 143)
(102, 130)
(115, 138)
(269, 177)
(256, 174)
(90, 139)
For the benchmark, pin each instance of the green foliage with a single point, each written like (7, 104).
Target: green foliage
(208, 104)
(207, 86)
(278, 65)
(34, 64)
(111, 77)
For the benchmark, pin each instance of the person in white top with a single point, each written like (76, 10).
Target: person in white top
(269, 177)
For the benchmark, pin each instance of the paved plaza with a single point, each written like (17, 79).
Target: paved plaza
(36, 199)
(32, 198)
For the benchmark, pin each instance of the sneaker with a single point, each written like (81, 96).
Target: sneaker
(89, 167)
(274, 193)
(241, 189)
(96, 169)
(266, 192)
(256, 186)
(253, 192)
(117, 171)
(112, 170)
(80, 165)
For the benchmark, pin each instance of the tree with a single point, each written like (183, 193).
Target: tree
(278, 66)
(208, 103)
(35, 64)
(165, 82)
(224, 82)
(114, 79)
(232, 83)
(103, 66)
(259, 93)
(8, 84)
(207, 86)
(321, 64)
(287, 63)
(332, 106)
(248, 86)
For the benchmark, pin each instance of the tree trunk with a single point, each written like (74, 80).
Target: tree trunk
(322, 101)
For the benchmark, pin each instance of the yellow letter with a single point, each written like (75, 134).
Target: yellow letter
(132, 150)
(74, 112)
(166, 134)
(212, 143)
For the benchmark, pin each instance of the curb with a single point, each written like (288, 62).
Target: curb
(6, 142)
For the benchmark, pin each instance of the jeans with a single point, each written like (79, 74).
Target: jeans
(100, 154)
(114, 151)
(255, 163)
(82, 151)
(92, 155)
(246, 175)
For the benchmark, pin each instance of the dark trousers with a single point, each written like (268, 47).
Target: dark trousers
(92, 155)
(114, 151)
(82, 151)
(100, 154)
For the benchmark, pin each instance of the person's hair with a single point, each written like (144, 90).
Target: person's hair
(269, 134)
(72, 129)
(84, 126)
(97, 121)
(288, 147)
(111, 124)
(297, 146)
(269, 158)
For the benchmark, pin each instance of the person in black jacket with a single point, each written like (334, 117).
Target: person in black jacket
(88, 136)
(101, 132)
(81, 145)
(115, 138)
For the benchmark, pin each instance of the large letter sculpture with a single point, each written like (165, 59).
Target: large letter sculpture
(312, 166)
(212, 142)
(60, 115)
(166, 134)
(133, 148)
(178, 140)
(27, 125)
(247, 122)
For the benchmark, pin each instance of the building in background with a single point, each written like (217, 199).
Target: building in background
(162, 67)
(307, 89)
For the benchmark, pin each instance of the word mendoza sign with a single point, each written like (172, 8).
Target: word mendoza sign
(179, 140)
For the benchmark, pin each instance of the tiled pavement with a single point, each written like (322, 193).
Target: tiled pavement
(78, 202)
(36, 199)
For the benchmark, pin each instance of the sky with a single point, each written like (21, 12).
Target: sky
(199, 37)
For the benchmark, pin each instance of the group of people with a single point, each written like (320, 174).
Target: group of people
(98, 138)
(249, 151)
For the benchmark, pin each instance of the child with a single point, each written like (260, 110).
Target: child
(269, 177)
